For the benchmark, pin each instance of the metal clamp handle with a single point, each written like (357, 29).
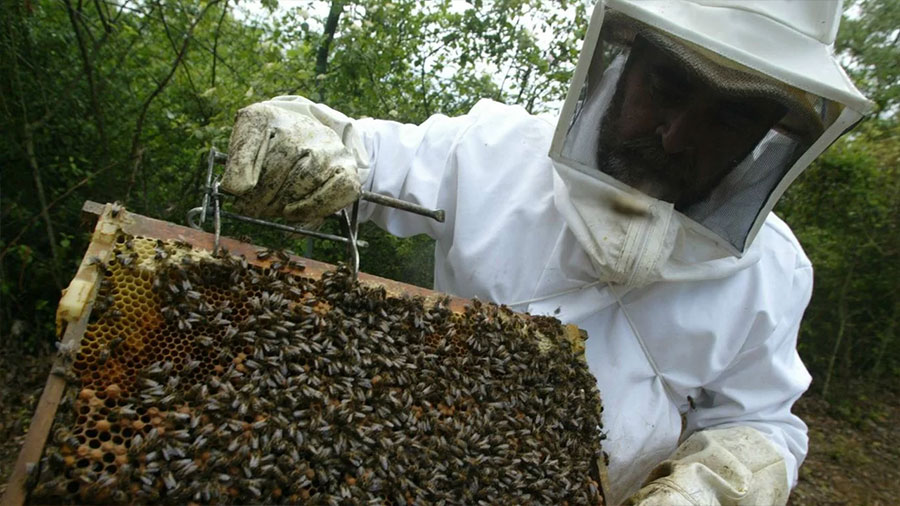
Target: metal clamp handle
(212, 195)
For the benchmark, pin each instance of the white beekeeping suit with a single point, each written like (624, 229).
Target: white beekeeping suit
(651, 347)
(692, 295)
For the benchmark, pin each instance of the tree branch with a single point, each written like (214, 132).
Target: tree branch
(221, 60)
(79, 14)
(28, 128)
(42, 200)
(187, 71)
(375, 86)
(334, 14)
(89, 74)
(216, 42)
(52, 204)
(424, 89)
(139, 124)
(843, 318)
(102, 16)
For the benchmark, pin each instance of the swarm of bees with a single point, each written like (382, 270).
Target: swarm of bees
(207, 380)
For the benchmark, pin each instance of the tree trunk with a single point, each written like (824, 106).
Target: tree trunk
(212, 81)
(42, 200)
(334, 15)
(136, 148)
(843, 317)
(96, 109)
(887, 340)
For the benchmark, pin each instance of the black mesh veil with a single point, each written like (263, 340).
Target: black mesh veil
(728, 196)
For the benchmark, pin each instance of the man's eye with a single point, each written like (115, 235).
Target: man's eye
(735, 118)
(664, 91)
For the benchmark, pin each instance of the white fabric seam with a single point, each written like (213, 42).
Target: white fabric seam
(669, 482)
(668, 388)
(557, 294)
(537, 285)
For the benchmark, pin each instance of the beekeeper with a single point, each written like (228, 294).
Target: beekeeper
(643, 216)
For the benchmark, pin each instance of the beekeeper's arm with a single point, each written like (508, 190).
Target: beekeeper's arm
(746, 446)
(303, 161)
(416, 163)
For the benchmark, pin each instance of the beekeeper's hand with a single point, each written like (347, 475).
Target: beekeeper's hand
(735, 465)
(284, 163)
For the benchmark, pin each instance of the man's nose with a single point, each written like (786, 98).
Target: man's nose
(678, 129)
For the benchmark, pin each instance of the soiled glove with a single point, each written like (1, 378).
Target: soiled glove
(284, 163)
(735, 465)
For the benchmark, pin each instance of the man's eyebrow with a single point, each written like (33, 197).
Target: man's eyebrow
(673, 74)
(742, 107)
(750, 108)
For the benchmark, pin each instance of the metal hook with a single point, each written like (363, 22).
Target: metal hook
(192, 215)
(352, 222)
(215, 156)
(213, 197)
(218, 216)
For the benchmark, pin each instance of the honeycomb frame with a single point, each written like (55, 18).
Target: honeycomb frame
(124, 294)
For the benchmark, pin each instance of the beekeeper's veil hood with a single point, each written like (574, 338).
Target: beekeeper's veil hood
(685, 122)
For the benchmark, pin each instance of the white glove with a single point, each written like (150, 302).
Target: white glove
(735, 465)
(284, 163)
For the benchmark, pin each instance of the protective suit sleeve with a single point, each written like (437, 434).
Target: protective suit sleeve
(766, 377)
(420, 163)
(416, 163)
(731, 466)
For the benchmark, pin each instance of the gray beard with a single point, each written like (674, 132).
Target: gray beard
(643, 165)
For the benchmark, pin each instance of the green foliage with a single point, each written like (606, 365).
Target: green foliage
(860, 405)
(869, 41)
(119, 101)
(846, 212)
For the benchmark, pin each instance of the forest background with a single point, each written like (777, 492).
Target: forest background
(121, 100)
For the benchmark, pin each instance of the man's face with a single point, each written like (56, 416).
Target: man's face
(673, 136)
